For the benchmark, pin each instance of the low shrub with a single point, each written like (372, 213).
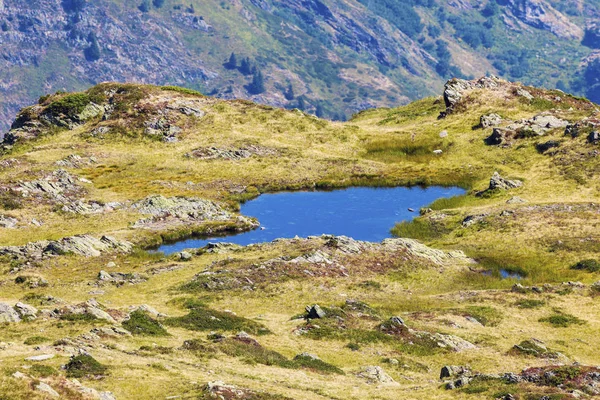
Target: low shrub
(83, 366)
(140, 323)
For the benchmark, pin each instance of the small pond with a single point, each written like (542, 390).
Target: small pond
(361, 213)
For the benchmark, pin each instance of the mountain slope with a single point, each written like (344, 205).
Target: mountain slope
(338, 56)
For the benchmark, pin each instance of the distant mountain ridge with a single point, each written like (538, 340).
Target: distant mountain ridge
(329, 57)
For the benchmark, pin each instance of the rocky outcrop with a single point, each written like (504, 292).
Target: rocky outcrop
(537, 126)
(212, 153)
(490, 120)
(82, 245)
(500, 183)
(455, 89)
(171, 212)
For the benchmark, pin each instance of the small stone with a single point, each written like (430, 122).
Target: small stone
(43, 387)
(443, 134)
(185, 256)
(437, 152)
(111, 264)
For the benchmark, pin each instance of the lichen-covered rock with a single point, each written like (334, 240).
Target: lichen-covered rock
(376, 374)
(8, 313)
(26, 311)
(83, 245)
(174, 211)
(498, 182)
(490, 120)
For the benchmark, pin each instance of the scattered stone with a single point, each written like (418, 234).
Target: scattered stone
(473, 219)
(119, 278)
(438, 152)
(185, 256)
(376, 374)
(490, 120)
(593, 137)
(111, 264)
(516, 200)
(8, 222)
(45, 388)
(453, 371)
(19, 375)
(524, 93)
(444, 134)
(498, 182)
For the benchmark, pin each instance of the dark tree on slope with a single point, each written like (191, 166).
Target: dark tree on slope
(245, 66)
(158, 3)
(301, 103)
(320, 111)
(93, 53)
(73, 6)
(289, 93)
(257, 86)
(145, 6)
(232, 63)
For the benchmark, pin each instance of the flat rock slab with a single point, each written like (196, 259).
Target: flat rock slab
(41, 357)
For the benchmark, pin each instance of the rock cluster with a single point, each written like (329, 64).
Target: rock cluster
(168, 212)
(212, 153)
(525, 128)
(83, 245)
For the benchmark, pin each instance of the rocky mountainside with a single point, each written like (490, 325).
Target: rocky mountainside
(330, 57)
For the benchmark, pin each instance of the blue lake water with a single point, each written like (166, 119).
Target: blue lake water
(361, 213)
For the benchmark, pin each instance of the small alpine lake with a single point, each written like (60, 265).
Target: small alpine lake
(363, 213)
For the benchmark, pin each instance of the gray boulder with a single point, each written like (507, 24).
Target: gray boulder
(315, 312)
(490, 120)
(8, 313)
(498, 182)
(26, 311)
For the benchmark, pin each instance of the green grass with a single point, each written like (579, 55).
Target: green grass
(183, 90)
(562, 320)
(33, 340)
(70, 104)
(201, 318)
(42, 371)
(530, 303)
(590, 265)
(422, 229)
(140, 323)
(256, 354)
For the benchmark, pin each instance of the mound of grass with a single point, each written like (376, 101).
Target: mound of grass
(36, 340)
(42, 371)
(487, 316)
(420, 228)
(315, 364)
(140, 323)
(201, 318)
(530, 303)
(561, 320)
(182, 90)
(71, 104)
(590, 265)
(253, 353)
(83, 366)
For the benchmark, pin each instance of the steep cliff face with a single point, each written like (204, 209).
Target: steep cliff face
(337, 56)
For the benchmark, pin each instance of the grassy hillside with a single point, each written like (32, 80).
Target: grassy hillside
(92, 163)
